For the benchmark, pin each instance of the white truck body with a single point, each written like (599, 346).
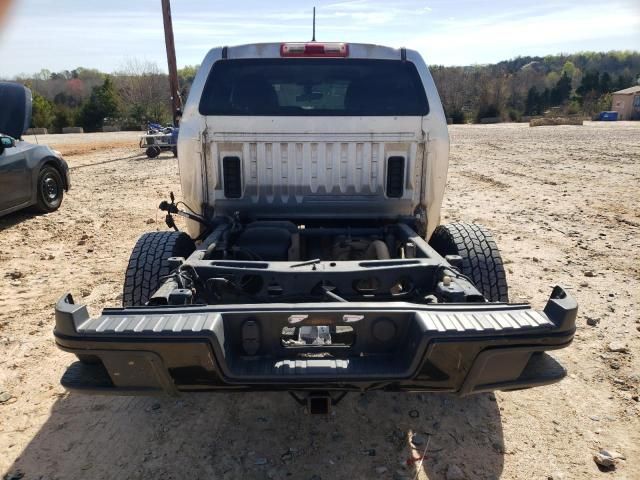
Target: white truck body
(315, 166)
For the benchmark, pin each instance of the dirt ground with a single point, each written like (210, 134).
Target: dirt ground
(563, 203)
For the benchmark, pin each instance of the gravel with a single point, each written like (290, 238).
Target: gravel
(618, 347)
(608, 458)
(5, 397)
(592, 322)
(112, 196)
(454, 472)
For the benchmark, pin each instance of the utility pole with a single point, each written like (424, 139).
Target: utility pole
(174, 86)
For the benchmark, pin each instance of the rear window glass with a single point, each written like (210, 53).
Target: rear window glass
(308, 87)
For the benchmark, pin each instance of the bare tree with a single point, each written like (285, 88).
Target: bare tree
(144, 90)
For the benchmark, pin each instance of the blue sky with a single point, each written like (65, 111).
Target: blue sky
(64, 34)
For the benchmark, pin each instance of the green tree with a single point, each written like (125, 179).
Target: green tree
(104, 102)
(561, 92)
(544, 100)
(590, 85)
(64, 117)
(569, 68)
(603, 103)
(606, 85)
(624, 81)
(486, 110)
(531, 104)
(552, 79)
(187, 73)
(42, 114)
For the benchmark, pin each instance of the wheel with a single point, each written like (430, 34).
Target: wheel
(175, 151)
(481, 260)
(50, 189)
(148, 263)
(153, 152)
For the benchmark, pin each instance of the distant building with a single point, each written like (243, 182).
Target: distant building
(627, 103)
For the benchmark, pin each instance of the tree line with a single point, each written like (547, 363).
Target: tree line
(129, 98)
(525, 86)
(579, 83)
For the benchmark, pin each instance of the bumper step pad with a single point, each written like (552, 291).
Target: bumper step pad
(490, 321)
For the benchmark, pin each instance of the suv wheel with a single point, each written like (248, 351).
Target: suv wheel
(481, 260)
(50, 190)
(148, 263)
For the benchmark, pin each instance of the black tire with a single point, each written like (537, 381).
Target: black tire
(175, 151)
(481, 260)
(50, 190)
(148, 263)
(88, 359)
(153, 152)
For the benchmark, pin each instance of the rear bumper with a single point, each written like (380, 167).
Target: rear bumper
(457, 348)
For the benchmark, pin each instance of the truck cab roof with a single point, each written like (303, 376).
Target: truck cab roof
(275, 50)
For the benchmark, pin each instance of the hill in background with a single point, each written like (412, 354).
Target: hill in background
(578, 83)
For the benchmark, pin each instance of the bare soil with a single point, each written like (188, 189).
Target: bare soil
(563, 203)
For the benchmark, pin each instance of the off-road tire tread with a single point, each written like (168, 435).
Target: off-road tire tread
(148, 263)
(481, 260)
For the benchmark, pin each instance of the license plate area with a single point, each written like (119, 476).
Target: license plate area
(318, 336)
(339, 334)
(334, 343)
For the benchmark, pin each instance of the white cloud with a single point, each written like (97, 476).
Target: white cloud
(502, 36)
(376, 13)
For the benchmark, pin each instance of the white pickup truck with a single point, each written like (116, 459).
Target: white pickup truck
(312, 179)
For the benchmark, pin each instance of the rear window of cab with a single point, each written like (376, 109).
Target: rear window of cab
(313, 87)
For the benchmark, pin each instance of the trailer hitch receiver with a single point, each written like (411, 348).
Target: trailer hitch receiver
(317, 402)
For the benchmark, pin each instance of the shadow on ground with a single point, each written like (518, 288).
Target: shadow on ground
(15, 218)
(264, 436)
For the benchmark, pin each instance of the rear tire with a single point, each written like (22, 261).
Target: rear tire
(88, 359)
(50, 190)
(481, 260)
(153, 152)
(148, 263)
